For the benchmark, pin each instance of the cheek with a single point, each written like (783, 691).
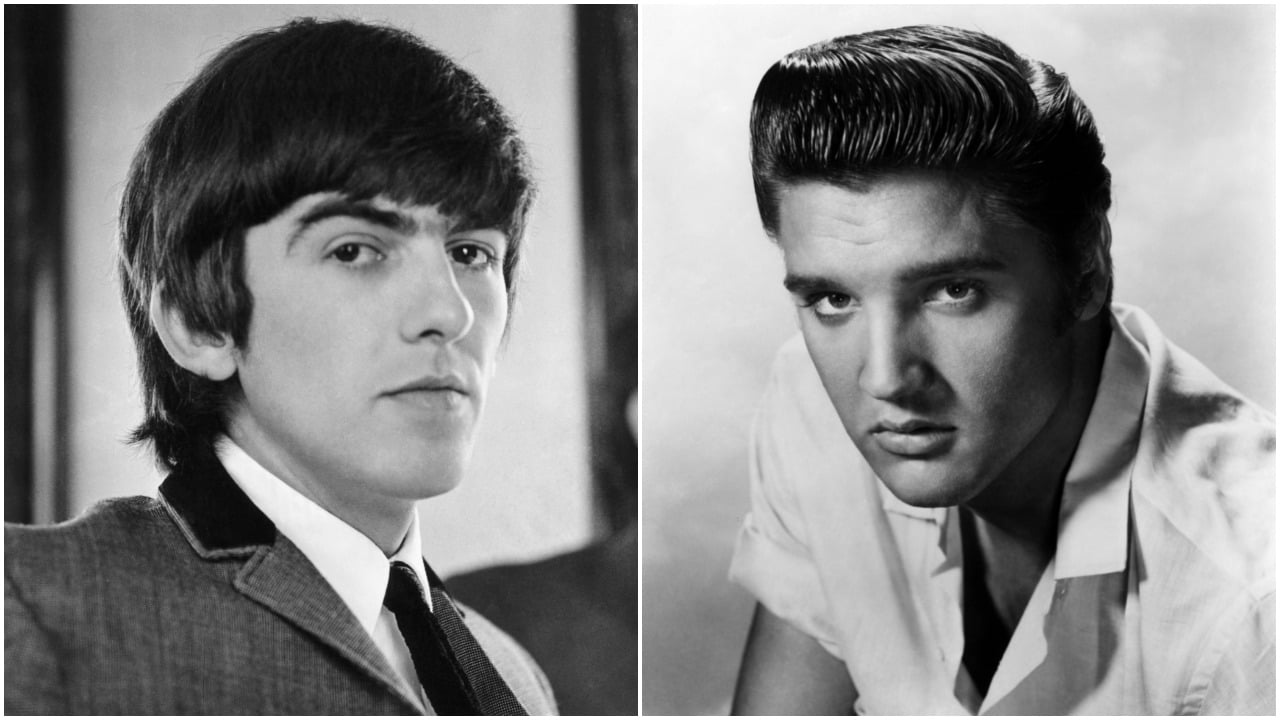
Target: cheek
(489, 306)
(295, 337)
(834, 355)
(493, 306)
(1009, 372)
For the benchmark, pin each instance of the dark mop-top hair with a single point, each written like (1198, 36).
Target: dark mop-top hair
(311, 106)
(856, 108)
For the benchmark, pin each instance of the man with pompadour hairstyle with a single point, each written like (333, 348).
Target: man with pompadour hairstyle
(978, 485)
(319, 243)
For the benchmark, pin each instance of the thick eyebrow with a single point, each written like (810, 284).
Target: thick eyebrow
(960, 265)
(801, 284)
(797, 284)
(359, 209)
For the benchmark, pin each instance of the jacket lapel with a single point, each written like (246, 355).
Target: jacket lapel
(282, 579)
(220, 522)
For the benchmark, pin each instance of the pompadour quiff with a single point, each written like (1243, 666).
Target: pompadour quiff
(850, 110)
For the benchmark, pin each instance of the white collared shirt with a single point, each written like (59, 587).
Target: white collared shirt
(1159, 600)
(347, 559)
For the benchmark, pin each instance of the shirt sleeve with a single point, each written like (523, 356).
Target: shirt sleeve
(772, 557)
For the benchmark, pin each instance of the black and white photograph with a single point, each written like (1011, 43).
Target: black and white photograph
(320, 344)
(642, 359)
(879, 473)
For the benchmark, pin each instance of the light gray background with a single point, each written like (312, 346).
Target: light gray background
(528, 492)
(1184, 98)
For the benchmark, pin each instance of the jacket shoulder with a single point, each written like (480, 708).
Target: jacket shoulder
(513, 663)
(51, 565)
(51, 572)
(105, 526)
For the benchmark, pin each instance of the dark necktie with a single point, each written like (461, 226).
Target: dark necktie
(455, 673)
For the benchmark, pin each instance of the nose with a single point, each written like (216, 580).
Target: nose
(893, 368)
(438, 308)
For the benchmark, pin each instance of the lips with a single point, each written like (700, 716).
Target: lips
(433, 392)
(434, 383)
(914, 438)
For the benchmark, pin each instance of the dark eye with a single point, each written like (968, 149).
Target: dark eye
(471, 255)
(956, 292)
(831, 305)
(356, 254)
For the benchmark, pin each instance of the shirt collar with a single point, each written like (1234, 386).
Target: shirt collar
(1093, 522)
(347, 559)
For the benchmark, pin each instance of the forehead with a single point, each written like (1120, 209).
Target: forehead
(894, 224)
(916, 205)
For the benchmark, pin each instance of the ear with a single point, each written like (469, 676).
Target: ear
(210, 356)
(1097, 286)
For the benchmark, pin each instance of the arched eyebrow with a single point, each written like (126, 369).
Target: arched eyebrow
(966, 264)
(395, 220)
(805, 284)
(960, 265)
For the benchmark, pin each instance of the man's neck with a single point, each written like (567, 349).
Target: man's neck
(1015, 520)
(386, 527)
(1017, 515)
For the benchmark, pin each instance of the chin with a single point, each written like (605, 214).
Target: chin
(923, 484)
(420, 478)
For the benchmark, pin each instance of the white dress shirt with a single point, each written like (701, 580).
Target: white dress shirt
(351, 563)
(1160, 598)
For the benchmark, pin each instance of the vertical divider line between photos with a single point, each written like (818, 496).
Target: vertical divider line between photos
(607, 66)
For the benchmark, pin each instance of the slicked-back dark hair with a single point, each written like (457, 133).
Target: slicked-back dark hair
(857, 108)
(310, 106)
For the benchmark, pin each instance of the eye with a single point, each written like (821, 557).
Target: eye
(356, 254)
(830, 305)
(473, 255)
(956, 292)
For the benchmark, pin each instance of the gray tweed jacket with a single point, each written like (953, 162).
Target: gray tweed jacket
(194, 604)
